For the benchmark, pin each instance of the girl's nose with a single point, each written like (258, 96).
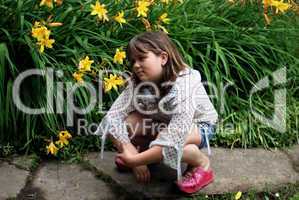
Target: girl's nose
(136, 65)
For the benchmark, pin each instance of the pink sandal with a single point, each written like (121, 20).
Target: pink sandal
(120, 165)
(195, 180)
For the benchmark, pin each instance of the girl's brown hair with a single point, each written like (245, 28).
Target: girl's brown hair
(156, 42)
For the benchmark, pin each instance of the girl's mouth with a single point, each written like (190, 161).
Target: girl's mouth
(140, 73)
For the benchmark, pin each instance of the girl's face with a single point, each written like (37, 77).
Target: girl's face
(149, 67)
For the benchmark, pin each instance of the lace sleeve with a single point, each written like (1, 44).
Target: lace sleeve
(114, 121)
(172, 139)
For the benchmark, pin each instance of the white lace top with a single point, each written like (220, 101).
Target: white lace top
(187, 102)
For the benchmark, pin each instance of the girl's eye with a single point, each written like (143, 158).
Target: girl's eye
(141, 58)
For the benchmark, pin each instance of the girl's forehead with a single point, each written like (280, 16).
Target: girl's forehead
(137, 49)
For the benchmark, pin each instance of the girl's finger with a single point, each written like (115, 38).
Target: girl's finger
(141, 177)
(148, 176)
(144, 177)
(137, 175)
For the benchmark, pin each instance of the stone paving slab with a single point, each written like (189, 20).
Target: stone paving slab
(24, 162)
(12, 180)
(235, 170)
(70, 182)
(159, 185)
(244, 169)
(293, 154)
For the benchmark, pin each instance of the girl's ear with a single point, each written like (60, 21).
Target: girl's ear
(164, 57)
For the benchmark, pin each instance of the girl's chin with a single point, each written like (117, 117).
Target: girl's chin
(142, 77)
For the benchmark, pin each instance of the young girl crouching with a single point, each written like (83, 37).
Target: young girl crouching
(162, 89)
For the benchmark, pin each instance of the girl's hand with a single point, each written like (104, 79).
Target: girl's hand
(127, 157)
(142, 174)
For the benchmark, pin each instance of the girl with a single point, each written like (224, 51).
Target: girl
(162, 90)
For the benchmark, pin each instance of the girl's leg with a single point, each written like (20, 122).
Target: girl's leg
(198, 174)
(192, 154)
(194, 157)
(140, 135)
(139, 128)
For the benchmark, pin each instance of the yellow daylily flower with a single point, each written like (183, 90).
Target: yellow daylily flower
(51, 148)
(163, 18)
(279, 5)
(112, 82)
(63, 138)
(40, 33)
(37, 24)
(45, 43)
(142, 8)
(65, 134)
(120, 18)
(119, 56)
(238, 195)
(99, 10)
(48, 3)
(78, 77)
(85, 64)
(62, 142)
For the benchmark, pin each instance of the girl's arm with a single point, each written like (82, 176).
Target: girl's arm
(152, 155)
(114, 121)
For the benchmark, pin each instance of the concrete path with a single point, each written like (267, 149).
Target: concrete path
(70, 182)
(235, 170)
(12, 180)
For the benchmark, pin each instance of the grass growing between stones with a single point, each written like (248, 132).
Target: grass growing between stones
(286, 192)
(86, 165)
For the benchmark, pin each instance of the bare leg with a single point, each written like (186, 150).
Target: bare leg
(138, 136)
(192, 154)
(140, 139)
(139, 129)
(137, 133)
(194, 157)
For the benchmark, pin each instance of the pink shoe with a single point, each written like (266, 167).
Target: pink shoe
(195, 180)
(120, 165)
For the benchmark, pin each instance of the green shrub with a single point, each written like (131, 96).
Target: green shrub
(227, 42)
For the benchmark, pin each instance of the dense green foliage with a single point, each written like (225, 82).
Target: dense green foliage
(228, 43)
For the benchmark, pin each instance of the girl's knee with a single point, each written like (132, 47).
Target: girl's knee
(134, 123)
(194, 137)
(190, 149)
(133, 118)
